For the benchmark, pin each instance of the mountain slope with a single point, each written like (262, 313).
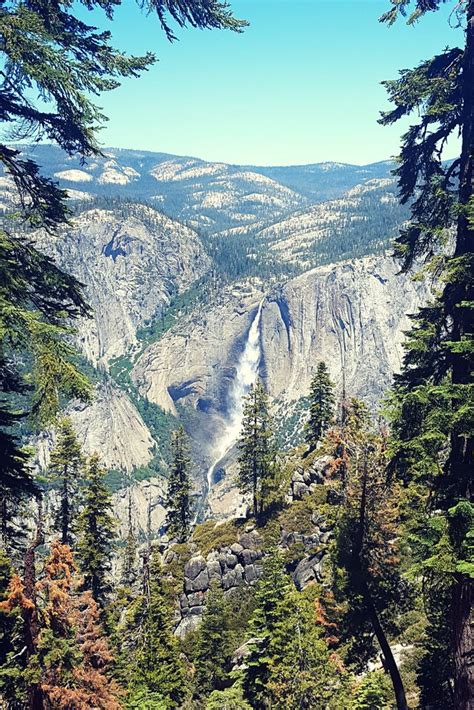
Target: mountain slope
(132, 260)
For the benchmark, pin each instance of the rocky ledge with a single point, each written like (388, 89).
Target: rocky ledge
(232, 566)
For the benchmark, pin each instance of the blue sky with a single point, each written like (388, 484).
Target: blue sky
(300, 85)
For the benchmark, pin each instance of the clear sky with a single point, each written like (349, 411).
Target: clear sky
(300, 85)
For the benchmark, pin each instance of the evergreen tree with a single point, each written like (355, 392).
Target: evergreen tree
(155, 670)
(96, 528)
(179, 489)
(66, 669)
(367, 545)
(257, 460)
(271, 590)
(130, 552)
(214, 649)
(289, 666)
(302, 674)
(12, 660)
(321, 406)
(433, 416)
(229, 699)
(65, 470)
(36, 303)
(372, 693)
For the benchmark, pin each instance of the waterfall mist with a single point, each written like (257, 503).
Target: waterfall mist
(245, 376)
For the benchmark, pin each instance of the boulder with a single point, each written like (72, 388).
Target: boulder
(199, 584)
(250, 573)
(299, 490)
(247, 556)
(231, 560)
(236, 548)
(233, 577)
(214, 570)
(196, 599)
(248, 540)
(194, 567)
(308, 570)
(187, 624)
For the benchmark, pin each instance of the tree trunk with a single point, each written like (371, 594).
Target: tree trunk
(461, 455)
(4, 520)
(463, 643)
(65, 509)
(390, 662)
(30, 615)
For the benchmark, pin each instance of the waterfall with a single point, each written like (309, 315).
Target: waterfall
(245, 376)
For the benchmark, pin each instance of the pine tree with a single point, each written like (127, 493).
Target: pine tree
(96, 529)
(302, 673)
(155, 670)
(12, 660)
(72, 650)
(179, 488)
(36, 303)
(66, 669)
(271, 590)
(258, 467)
(130, 552)
(289, 666)
(65, 470)
(367, 545)
(321, 406)
(214, 650)
(229, 699)
(371, 693)
(434, 393)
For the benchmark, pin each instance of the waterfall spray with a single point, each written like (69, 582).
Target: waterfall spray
(245, 376)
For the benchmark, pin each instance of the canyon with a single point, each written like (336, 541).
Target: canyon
(175, 336)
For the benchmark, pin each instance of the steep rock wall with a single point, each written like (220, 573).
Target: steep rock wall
(111, 426)
(353, 315)
(131, 263)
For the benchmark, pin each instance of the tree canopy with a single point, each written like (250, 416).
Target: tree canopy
(433, 404)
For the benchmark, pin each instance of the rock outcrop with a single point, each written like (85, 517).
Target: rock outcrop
(147, 499)
(230, 554)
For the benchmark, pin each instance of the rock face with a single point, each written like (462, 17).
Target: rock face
(192, 366)
(141, 495)
(131, 259)
(352, 315)
(193, 362)
(111, 426)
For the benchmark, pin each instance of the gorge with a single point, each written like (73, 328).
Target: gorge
(185, 315)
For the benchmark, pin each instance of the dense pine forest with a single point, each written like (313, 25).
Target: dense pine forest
(345, 581)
